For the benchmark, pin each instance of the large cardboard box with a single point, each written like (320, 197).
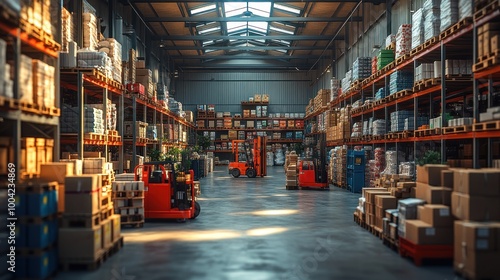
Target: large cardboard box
(422, 233)
(107, 233)
(370, 195)
(56, 171)
(475, 208)
(363, 192)
(436, 215)
(82, 244)
(430, 174)
(433, 195)
(82, 194)
(476, 250)
(115, 227)
(386, 201)
(477, 182)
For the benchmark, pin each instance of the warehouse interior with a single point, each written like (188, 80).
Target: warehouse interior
(230, 139)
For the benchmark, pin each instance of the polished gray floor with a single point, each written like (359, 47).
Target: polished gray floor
(255, 229)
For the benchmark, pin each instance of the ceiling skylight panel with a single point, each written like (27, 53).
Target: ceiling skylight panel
(289, 9)
(203, 9)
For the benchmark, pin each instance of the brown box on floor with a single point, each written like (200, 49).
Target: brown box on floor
(476, 250)
(370, 195)
(475, 208)
(418, 232)
(430, 174)
(436, 215)
(107, 233)
(447, 178)
(83, 244)
(477, 182)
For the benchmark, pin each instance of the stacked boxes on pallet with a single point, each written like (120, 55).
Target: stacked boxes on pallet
(6, 82)
(111, 114)
(128, 201)
(400, 80)
(433, 224)
(449, 13)
(36, 229)
(424, 71)
(291, 166)
(398, 120)
(361, 68)
(465, 9)
(144, 76)
(417, 31)
(380, 94)
(410, 122)
(88, 217)
(457, 67)
(335, 89)
(384, 57)
(476, 204)
(432, 22)
(90, 39)
(94, 120)
(403, 40)
(114, 51)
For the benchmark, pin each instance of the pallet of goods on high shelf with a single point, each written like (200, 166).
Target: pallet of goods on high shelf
(403, 41)
(449, 13)
(418, 30)
(113, 49)
(128, 201)
(400, 80)
(384, 57)
(361, 68)
(432, 19)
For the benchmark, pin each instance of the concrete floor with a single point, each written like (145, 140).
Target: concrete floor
(255, 229)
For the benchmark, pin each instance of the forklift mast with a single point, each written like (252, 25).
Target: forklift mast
(320, 159)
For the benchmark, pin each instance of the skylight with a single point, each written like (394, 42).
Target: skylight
(281, 30)
(289, 9)
(209, 30)
(240, 9)
(203, 9)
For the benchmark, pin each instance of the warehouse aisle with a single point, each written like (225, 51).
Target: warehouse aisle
(255, 229)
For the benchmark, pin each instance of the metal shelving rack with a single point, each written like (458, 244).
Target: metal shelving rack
(20, 119)
(447, 47)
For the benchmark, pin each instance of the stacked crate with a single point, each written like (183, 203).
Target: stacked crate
(475, 203)
(291, 168)
(88, 218)
(36, 229)
(128, 201)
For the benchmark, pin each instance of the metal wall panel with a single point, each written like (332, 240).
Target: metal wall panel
(288, 91)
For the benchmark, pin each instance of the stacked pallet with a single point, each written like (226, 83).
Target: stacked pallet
(128, 201)
(475, 203)
(34, 153)
(340, 167)
(291, 171)
(322, 98)
(88, 218)
(36, 229)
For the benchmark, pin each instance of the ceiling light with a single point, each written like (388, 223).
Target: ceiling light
(247, 14)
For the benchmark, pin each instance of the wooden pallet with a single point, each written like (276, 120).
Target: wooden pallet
(417, 50)
(377, 231)
(133, 220)
(94, 136)
(487, 61)
(485, 126)
(402, 59)
(380, 102)
(421, 252)
(457, 129)
(427, 83)
(431, 42)
(391, 243)
(128, 194)
(427, 132)
(403, 93)
(408, 134)
(389, 66)
(455, 28)
(486, 10)
(479, 4)
(80, 220)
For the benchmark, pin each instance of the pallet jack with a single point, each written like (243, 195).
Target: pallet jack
(164, 197)
(312, 171)
(254, 153)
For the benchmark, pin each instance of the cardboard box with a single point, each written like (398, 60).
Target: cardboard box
(474, 252)
(107, 236)
(56, 171)
(430, 174)
(433, 195)
(82, 194)
(477, 181)
(370, 195)
(421, 233)
(363, 192)
(447, 178)
(475, 208)
(436, 215)
(386, 201)
(80, 243)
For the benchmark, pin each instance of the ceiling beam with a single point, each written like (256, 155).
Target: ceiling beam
(245, 57)
(244, 66)
(249, 19)
(237, 37)
(241, 48)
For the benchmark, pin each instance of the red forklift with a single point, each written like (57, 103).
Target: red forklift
(249, 158)
(313, 171)
(164, 197)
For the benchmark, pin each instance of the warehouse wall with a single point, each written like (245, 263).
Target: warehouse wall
(289, 92)
(375, 32)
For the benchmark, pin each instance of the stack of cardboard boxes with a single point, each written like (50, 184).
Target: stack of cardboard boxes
(434, 223)
(128, 201)
(88, 215)
(291, 167)
(476, 205)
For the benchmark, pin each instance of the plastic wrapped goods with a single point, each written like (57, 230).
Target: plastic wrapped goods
(449, 13)
(403, 40)
(417, 32)
(391, 160)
